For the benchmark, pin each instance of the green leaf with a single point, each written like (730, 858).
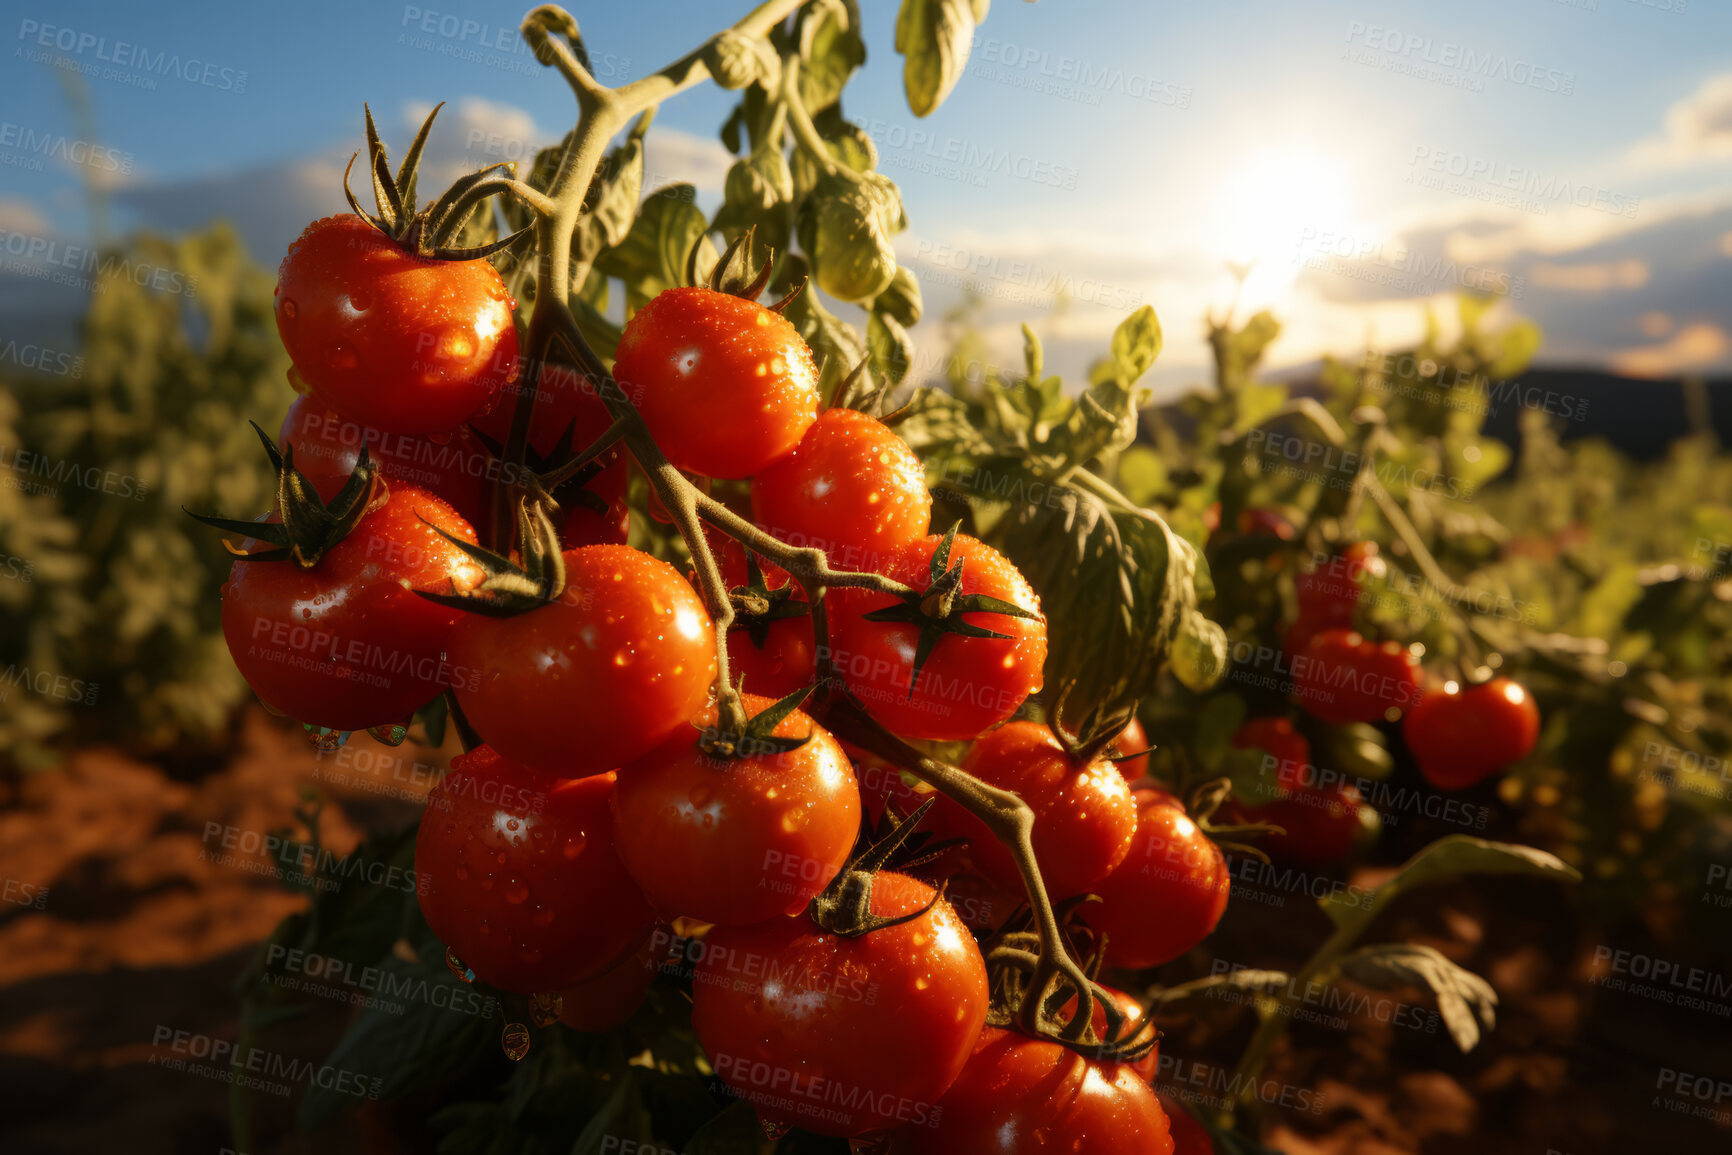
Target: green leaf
(892, 349)
(1142, 476)
(622, 1119)
(1221, 716)
(1467, 1002)
(734, 1131)
(1136, 344)
(428, 1042)
(612, 202)
(1447, 858)
(652, 257)
(830, 50)
(934, 37)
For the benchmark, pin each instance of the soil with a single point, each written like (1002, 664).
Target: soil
(136, 894)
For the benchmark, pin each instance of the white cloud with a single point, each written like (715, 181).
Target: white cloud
(20, 216)
(1699, 127)
(1692, 348)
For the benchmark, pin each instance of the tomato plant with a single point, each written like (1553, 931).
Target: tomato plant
(1171, 866)
(1461, 735)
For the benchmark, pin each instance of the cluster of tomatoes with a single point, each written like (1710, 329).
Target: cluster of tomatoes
(1458, 734)
(614, 797)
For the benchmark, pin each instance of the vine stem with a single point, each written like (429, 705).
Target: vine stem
(603, 112)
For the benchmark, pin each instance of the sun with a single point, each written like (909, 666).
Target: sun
(1269, 203)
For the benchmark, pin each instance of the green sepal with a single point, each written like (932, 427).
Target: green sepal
(510, 588)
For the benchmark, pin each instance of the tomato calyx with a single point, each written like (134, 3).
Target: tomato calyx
(733, 272)
(427, 233)
(1061, 1010)
(844, 907)
(511, 587)
(309, 526)
(561, 476)
(756, 605)
(938, 610)
(756, 737)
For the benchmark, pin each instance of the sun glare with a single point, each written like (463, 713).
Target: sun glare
(1273, 203)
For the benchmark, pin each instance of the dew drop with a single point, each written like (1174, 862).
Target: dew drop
(514, 1041)
(516, 890)
(574, 845)
(343, 358)
(289, 310)
(700, 795)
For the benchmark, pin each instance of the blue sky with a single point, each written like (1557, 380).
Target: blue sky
(1369, 155)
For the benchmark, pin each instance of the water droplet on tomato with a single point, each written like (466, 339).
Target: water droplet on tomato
(514, 1041)
(772, 1131)
(360, 302)
(700, 795)
(516, 890)
(289, 310)
(574, 844)
(343, 358)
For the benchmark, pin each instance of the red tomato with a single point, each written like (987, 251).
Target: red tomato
(456, 468)
(1023, 1096)
(1289, 755)
(347, 644)
(1146, 1066)
(518, 875)
(612, 997)
(595, 678)
(881, 783)
(1266, 522)
(967, 684)
(1461, 736)
(843, 1036)
(1321, 823)
(726, 386)
(1329, 593)
(1189, 1137)
(1344, 678)
(851, 488)
(787, 659)
(1133, 739)
(564, 400)
(742, 839)
(402, 343)
(1168, 893)
(1084, 815)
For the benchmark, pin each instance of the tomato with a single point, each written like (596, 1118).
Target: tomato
(1146, 1066)
(851, 488)
(1189, 1136)
(347, 644)
(776, 655)
(517, 873)
(1461, 736)
(843, 1036)
(612, 997)
(1133, 739)
(1329, 593)
(881, 784)
(402, 343)
(456, 468)
(595, 678)
(737, 840)
(1084, 815)
(593, 510)
(726, 386)
(1025, 1096)
(1289, 755)
(1320, 819)
(1344, 678)
(1265, 523)
(967, 684)
(1168, 893)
